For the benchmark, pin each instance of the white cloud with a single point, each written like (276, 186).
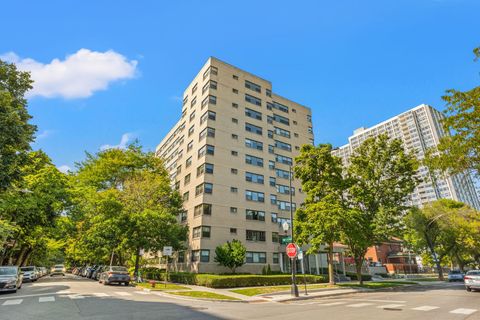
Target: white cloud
(44, 134)
(126, 138)
(78, 76)
(64, 168)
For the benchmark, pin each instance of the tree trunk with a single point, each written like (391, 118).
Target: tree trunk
(27, 257)
(331, 274)
(137, 261)
(437, 259)
(358, 267)
(19, 261)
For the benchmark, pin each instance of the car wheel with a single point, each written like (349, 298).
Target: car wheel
(14, 291)
(127, 283)
(469, 289)
(105, 282)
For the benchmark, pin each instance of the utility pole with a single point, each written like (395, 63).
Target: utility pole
(294, 289)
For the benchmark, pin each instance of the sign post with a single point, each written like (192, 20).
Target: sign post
(167, 252)
(291, 250)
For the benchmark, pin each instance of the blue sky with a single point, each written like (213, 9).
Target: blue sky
(355, 63)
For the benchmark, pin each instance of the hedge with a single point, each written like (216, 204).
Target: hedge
(227, 281)
(353, 276)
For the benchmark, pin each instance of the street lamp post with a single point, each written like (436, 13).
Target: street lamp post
(294, 289)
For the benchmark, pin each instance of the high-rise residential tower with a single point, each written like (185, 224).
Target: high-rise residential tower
(229, 156)
(419, 129)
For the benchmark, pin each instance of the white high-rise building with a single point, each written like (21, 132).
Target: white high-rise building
(419, 129)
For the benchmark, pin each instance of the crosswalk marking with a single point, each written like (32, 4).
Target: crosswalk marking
(64, 292)
(425, 308)
(359, 305)
(46, 299)
(463, 311)
(142, 292)
(12, 302)
(123, 294)
(391, 306)
(100, 294)
(75, 296)
(332, 303)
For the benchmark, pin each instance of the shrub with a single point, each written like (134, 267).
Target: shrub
(353, 276)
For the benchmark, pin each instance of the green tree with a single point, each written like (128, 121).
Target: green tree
(15, 131)
(320, 221)
(231, 255)
(381, 176)
(460, 151)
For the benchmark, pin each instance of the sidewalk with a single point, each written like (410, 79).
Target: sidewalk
(311, 294)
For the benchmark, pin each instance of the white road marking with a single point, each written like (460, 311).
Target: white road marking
(425, 308)
(75, 296)
(63, 292)
(359, 305)
(46, 299)
(463, 311)
(142, 292)
(376, 300)
(12, 302)
(332, 303)
(391, 306)
(122, 293)
(100, 294)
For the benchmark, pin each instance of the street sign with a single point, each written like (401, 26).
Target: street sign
(286, 240)
(167, 251)
(300, 254)
(141, 252)
(291, 250)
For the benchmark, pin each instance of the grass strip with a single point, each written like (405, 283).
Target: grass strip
(271, 289)
(203, 295)
(161, 286)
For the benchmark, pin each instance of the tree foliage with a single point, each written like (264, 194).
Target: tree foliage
(231, 255)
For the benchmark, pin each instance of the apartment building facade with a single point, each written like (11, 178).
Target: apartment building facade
(229, 156)
(419, 129)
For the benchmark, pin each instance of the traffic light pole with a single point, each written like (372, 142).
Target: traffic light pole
(293, 261)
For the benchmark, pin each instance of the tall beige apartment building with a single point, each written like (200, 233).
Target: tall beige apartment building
(420, 129)
(229, 156)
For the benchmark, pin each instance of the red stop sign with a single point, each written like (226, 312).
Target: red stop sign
(291, 250)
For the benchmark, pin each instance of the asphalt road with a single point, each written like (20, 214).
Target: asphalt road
(77, 298)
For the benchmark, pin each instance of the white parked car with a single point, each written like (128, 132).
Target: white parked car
(29, 273)
(472, 280)
(455, 275)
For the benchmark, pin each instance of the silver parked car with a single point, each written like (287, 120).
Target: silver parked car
(472, 280)
(455, 275)
(10, 278)
(29, 273)
(116, 274)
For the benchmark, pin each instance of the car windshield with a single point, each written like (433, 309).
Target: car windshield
(59, 266)
(8, 271)
(26, 268)
(474, 273)
(119, 269)
(455, 272)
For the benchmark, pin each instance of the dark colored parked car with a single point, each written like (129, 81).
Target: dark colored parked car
(96, 274)
(116, 274)
(10, 278)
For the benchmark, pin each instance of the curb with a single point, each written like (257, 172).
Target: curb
(332, 294)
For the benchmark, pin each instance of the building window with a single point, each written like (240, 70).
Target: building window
(210, 84)
(190, 146)
(188, 162)
(192, 116)
(255, 215)
(309, 118)
(282, 132)
(206, 149)
(310, 130)
(284, 205)
(233, 189)
(274, 217)
(253, 177)
(272, 181)
(205, 168)
(254, 196)
(210, 99)
(256, 257)
(194, 101)
(283, 159)
(234, 105)
(204, 188)
(234, 136)
(191, 130)
(253, 86)
(195, 255)
(294, 122)
(234, 153)
(281, 119)
(186, 180)
(181, 257)
(269, 106)
(211, 115)
(273, 199)
(275, 258)
(177, 185)
(234, 90)
(204, 208)
(283, 145)
(185, 100)
(204, 255)
(252, 128)
(207, 132)
(282, 173)
(202, 231)
(179, 169)
(183, 216)
(233, 210)
(280, 107)
(270, 134)
(254, 144)
(186, 196)
(271, 149)
(275, 238)
(255, 235)
(233, 230)
(253, 100)
(268, 92)
(296, 135)
(211, 70)
(254, 161)
(253, 114)
(271, 164)
(234, 120)
(233, 171)
(235, 77)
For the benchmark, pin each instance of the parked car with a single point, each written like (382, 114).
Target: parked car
(116, 274)
(10, 278)
(57, 269)
(472, 280)
(91, 270)
(97, 272)
(455, 275)
(44, 271)
(38, 272)
(29, 273)
(84, 271)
